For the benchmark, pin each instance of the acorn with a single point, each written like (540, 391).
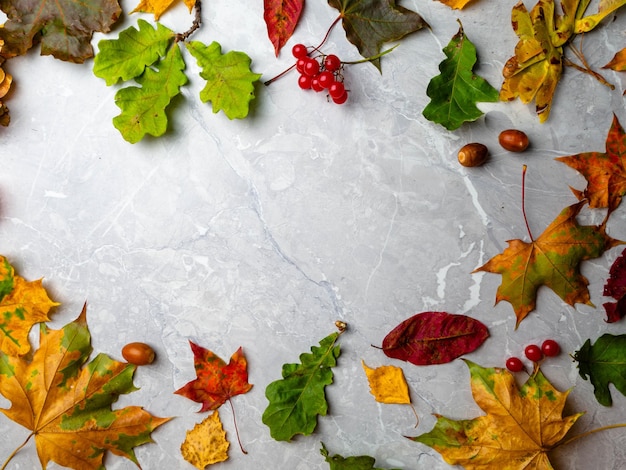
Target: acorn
(513, 140)
(473, 154)
(139, 354)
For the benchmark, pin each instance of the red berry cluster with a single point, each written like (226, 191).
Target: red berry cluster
(321, 73)
(549, 348)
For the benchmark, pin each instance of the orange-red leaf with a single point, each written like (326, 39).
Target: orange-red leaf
(281, 18)
(551, 260)
(618, 62)
(605, 172)
(216, 381)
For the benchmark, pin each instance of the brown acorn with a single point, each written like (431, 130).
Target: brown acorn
(139, 354)
(513, 140)
(473, 154)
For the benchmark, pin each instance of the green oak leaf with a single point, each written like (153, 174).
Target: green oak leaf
(230, 82)
(128, 56)
(337, 462)
(143, 108)
(603, 363)
(299, 397)
(63, 27)
(371, 23)
(456, 90)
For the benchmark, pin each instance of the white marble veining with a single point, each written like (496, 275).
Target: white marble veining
(262, 232)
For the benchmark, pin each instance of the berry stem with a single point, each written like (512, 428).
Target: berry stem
(524, 203)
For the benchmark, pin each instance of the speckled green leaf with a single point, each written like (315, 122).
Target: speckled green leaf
(296, 400)
(143, 108)
(230, 82)
(603, 363)
(66, 402)
(552, 260)
(128, 56)
(454, 93)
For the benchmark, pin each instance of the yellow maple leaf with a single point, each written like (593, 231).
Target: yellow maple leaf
(22, 304)
(455, 4)
(206, 443)
(158, 7)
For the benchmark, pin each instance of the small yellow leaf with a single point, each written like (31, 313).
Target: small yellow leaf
(455, 4)
(387, 384)
(618, 63)
(206, 443)
(158, 7)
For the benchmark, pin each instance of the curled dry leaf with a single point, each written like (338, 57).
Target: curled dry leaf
(434, 338)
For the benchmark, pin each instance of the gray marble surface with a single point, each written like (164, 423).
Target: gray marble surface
(262, 232)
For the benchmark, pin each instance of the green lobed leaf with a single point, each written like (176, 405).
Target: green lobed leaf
(143, 108)
(230, 82)
(128, 56)
(455, 92)
(602, 363)
(299, 397)
(337, 462)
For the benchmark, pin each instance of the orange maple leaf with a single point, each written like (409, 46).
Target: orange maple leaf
(519, 429)
(605, 172)
(22, 304)
(552, 260)
(67, 406)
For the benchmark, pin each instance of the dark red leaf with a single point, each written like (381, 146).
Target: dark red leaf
(281, 18)
(434, 338)
(616, 287)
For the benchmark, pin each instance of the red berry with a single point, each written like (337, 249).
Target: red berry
(304, 82)
(336, 89)
(311, 67)
(550, 348)
(533, 352)
(299, 50)
(341, 99)
(300, 64)
(325, 78)
(332, 63)
(514, 364)
(316, 85)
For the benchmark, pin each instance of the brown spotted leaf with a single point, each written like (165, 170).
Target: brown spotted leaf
(605, 172)
(63, 27)
(281, 18)
(69, 426)
(552, 260)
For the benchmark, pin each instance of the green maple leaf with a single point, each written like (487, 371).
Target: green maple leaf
(602, 363)
(552, 260)
(128, 56)
(519, 428)
(143, 108)
(64, 27)
(230, 82)
(337, 462)
(66, 402)
(299, 397)
(371, 23)
(456, 90)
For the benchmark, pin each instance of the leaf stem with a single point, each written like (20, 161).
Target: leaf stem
(587, 433)
(578, 52)
(374, 57)
(197, 22)
(6, 462)
(236, 428)
(524, 203)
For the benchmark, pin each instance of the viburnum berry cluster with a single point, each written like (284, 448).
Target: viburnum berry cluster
(319, 73)
(534, 353)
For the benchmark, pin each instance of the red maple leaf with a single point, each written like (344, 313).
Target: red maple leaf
(616, 287)
(281, 18)
(216, 381)
(605, 172)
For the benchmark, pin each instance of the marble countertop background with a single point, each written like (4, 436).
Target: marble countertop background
(262, 232)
